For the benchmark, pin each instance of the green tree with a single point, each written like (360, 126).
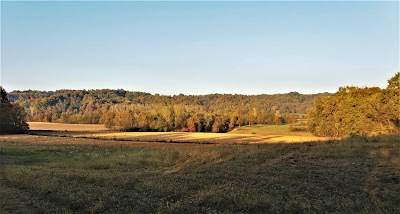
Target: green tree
(391, 97)
(12, 116)
(394, 82)
(358, 111)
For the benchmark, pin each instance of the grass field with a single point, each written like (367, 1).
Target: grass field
(242, 135)
(50, 174)
(65, 127)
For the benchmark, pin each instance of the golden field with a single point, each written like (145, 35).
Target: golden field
(65, 127)
(241, 135)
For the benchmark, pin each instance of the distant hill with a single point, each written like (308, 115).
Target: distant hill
(144, 111)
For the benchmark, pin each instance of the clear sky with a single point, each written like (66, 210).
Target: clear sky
(199, 47)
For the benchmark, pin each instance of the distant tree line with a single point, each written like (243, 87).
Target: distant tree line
(12, 116)
(358, 111)
(138, 111)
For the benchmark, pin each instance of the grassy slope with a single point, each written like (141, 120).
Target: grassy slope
(345, 177)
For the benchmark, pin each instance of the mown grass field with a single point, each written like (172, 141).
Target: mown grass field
(65, 127)
(243, 135)
(49, 174)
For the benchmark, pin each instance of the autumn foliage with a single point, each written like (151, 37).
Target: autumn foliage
(358, 111)
(350, 111)
(137, 111)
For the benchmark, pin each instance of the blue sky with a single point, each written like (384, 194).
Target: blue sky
(199, 47)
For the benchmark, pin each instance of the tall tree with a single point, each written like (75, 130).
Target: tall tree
(12, 116)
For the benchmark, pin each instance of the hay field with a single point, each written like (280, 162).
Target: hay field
(242, 135)
(265, 130)
(41, 126)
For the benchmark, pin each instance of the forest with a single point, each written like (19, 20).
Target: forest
(138, 111)
(358, 111)
(350, 111)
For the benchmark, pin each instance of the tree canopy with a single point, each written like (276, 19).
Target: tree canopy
(12, 116)
(139, 111)
(358, 111)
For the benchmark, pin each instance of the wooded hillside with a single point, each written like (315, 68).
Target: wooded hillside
(351, 110)
(138, 111)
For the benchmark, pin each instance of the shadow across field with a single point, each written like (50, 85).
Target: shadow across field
(357, 175)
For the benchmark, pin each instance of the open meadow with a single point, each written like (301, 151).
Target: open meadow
(200, 107)
(52, 174)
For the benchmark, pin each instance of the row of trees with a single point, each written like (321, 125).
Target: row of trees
(138, 111)
(190, 118)
(12, 116)
(358, 111)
